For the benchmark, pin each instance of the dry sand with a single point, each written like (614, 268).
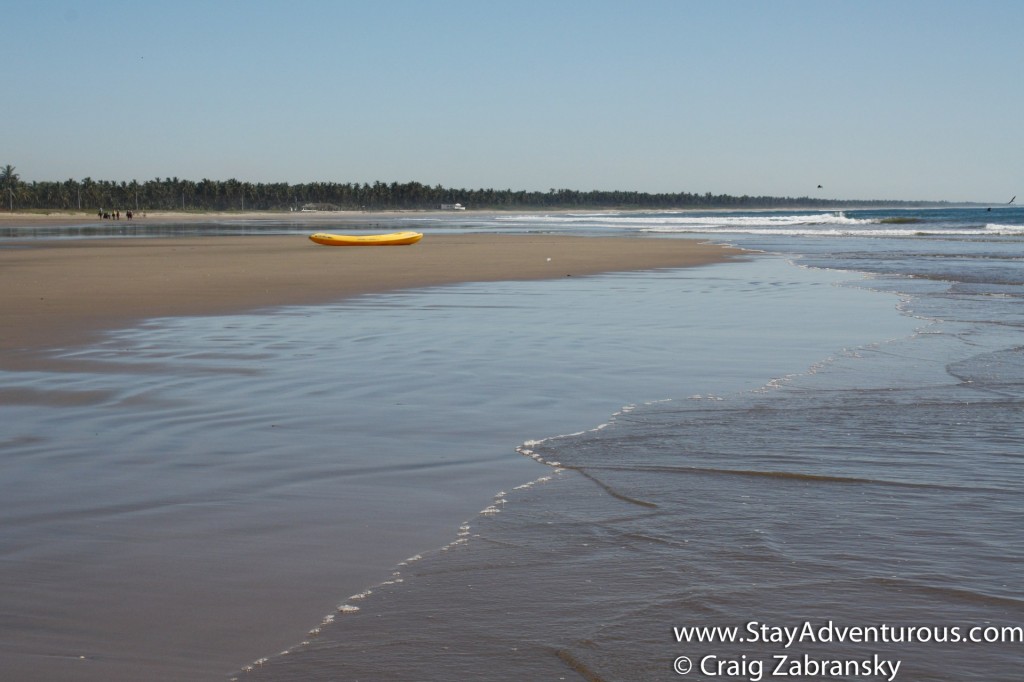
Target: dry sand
(56, 293)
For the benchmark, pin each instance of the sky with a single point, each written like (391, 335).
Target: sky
(893, 99)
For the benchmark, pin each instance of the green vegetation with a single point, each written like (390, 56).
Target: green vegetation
(9, 182)
(233, 195)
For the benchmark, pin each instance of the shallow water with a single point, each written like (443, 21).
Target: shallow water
(869, 505)
(197, 493)
(200, 493)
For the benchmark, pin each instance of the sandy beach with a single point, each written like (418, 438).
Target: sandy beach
(145, 552)
(74, 218)
(337, 489)
(55, 293)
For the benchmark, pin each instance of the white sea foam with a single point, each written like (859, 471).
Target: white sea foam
(686, 222)
(829, 224)
(676, 218)
(1004, 229)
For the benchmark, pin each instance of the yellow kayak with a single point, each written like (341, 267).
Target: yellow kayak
(393, 239)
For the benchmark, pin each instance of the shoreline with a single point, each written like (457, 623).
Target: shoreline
(196, 494)
(156, 218)
(58, 293)
(69, 218)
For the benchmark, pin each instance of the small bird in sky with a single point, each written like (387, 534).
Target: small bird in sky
(1011, 200)
(819, 186)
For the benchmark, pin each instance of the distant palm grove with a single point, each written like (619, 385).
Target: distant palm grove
(233, 195)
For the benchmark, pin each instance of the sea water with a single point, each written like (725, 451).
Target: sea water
(857, 519)
(822, 441)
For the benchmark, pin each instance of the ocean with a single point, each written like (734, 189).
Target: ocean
(806, 465)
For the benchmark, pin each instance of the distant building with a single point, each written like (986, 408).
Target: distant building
(452, 207)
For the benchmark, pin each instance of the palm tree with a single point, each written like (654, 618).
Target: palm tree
(9, 180)
(133, 186)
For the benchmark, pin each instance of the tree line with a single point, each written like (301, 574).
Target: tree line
(234, 195)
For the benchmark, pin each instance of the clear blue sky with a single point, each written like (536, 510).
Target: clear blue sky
(912, 99)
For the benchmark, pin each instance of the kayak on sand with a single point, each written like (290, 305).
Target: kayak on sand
(393, 239)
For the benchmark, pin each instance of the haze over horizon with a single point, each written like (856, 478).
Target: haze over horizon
(907, 100)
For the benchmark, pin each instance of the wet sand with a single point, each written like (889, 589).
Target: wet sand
(153, 555)
(56, 293)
